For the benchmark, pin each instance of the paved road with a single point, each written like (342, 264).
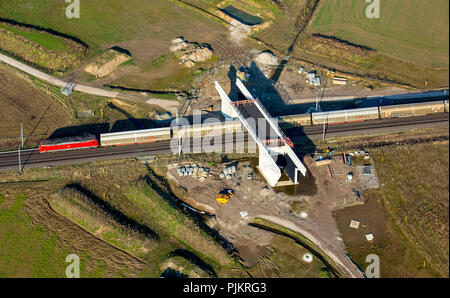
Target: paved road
(55, 81)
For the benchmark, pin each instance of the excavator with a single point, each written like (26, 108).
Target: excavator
(224, 196)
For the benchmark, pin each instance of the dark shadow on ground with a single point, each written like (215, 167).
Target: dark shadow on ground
(133, 124)
(121, 50)
(118, 216)
(265, 89)
(195, 260)
(71, 131)
(172, 273)
(163, 189)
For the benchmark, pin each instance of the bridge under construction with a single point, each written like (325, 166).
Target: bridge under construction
(275, 148)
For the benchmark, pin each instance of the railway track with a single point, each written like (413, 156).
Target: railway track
(375, 124)
(32, 158)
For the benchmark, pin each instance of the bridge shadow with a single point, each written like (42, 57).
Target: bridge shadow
(133, 124)
(71, 131)
(99, 128)
(276, 99)
(265, 89)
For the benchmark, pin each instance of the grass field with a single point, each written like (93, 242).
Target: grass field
(38, 258)
(119, 202)
(41, 48)
(144, 28)
(105, 22)
(408, 214)
(413, 30)
(415, 191)
(47, 41)
(28, 248)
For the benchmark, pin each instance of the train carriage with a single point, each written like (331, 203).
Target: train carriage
(68, 143)
(295, 120)
(414, 109)
(135, 136)
(344, 116)
(208, 129)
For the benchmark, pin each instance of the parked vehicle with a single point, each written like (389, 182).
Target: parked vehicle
(224, 196)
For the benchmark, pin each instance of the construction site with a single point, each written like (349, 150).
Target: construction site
(234, 139)
(231, 195)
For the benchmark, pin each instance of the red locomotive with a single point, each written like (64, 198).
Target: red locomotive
(68, 143)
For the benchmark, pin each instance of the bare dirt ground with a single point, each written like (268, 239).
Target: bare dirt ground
(318, 198)
(300, 91)
(397, 257)
(169, 105)
(106, 63)
(294, 95)
(21, 102)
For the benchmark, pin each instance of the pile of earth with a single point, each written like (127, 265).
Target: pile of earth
(107, 62)
(266, 58)
(190, 53)
(266, 62)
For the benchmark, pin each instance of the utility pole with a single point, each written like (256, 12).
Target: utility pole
(317, 100)
(20, 163)
(324, 129)
(179, 136)
(179, 144)
(21, 133)
(323, 133)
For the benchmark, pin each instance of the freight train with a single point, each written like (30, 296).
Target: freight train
(166, 133)
(363, 114)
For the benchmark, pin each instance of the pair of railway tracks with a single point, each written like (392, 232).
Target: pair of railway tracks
(32, 158)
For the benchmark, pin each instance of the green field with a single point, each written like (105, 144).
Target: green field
(103, 22)
(144, 28)
(47, 41)
(27, 250)
(412, 30)
(415, 193)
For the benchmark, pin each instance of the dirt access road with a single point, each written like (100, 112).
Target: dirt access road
(166, 104)
(54, 81)
(329, 247)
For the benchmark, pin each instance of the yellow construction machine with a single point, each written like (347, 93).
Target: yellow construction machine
(224, 196)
